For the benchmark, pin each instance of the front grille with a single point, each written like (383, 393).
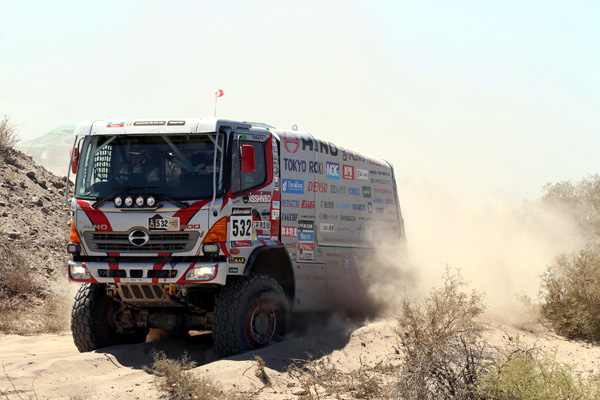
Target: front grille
(160, 242)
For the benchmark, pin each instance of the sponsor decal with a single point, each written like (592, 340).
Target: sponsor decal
(333, 170)
(275, 215)
(351, 155)
(306, 251)
(259, 197)
(383, 191)
(354, 191)
(325, 217)
(342, 206)
(306, 225)
(276, 169)
(294, 186)
(289, 231)
(149, 123)
(362, 174)
(293, 165)
(276, 183)
(378, 200)
(319, 146)
(276, 205)
(337, 189)
(161, 223)
(327, 228)
(291, 142)
(240, 224)
(348, 172)
(378, 210)
(327, 204)
(389, 201)
(381, 181)
(262, 225)
(263, 236)
(241, 243)
(358, 207)
(318, 187)
(308, 204)
(236, 260)
(366, 191)
(305, 236)
(370, 207)
(291, 203)
(349, 218)
(178, 123)
(233, 270)
(115, 124)
(289, 217)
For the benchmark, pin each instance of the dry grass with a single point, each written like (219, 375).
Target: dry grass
(175, 378)
(8, 133)
(26, 304)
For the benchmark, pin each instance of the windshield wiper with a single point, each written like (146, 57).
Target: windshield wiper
(119, 191)
(178, 203)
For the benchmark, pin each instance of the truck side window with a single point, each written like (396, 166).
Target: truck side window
(243, 181)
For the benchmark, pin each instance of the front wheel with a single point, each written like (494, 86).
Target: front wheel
(97, 320)
(249, 312)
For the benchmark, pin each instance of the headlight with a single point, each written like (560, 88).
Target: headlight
(118, 201)
(128, 201)
(78, 272)
(139, 201)
(150, 201)
(201, 274)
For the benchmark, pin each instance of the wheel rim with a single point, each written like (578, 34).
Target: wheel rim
(261, 323)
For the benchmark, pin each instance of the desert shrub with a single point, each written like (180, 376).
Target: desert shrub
(175, 378)
(529, 374)
(8, 133)
(322, 378)
(442, 344)
(571, 295)
(580, 200)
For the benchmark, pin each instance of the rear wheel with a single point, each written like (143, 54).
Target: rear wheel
(97, 320)
(249, 313)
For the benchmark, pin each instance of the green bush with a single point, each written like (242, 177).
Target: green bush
(531, 375)
(571, 295)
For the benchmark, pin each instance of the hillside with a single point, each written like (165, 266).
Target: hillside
(34, 228)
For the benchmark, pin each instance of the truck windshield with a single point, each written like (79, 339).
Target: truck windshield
(178, 166)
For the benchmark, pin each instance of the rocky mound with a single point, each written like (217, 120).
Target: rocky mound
(34, 229)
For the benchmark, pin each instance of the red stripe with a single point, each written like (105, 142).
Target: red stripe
(186, 214)
(97, 217)
(224, 249)
(114, 266)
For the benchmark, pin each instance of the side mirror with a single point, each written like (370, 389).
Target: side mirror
(74, 159)
(248, 162)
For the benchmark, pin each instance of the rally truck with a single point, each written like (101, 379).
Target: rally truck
(217, 225)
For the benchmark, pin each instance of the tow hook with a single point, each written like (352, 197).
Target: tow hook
(169, 290)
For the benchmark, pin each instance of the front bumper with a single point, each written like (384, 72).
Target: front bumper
(143, 272)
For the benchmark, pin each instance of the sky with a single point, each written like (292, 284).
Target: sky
(476, 95)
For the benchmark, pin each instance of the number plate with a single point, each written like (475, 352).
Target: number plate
(161, 223)
(240, 224)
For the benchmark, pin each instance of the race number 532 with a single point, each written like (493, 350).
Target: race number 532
(240, 224)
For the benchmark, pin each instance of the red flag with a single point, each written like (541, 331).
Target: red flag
(219, 93)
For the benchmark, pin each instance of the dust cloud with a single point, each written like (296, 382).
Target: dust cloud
(500, 246)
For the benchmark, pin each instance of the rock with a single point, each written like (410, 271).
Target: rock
(45, 210)
(3, 204)
(22, 184)
(58, 185)
(14, 235)
(30, 174)
(37, 201)
(4, 214)
(43, 184)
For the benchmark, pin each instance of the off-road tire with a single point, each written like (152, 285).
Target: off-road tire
(249, 312)
(90, 322)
